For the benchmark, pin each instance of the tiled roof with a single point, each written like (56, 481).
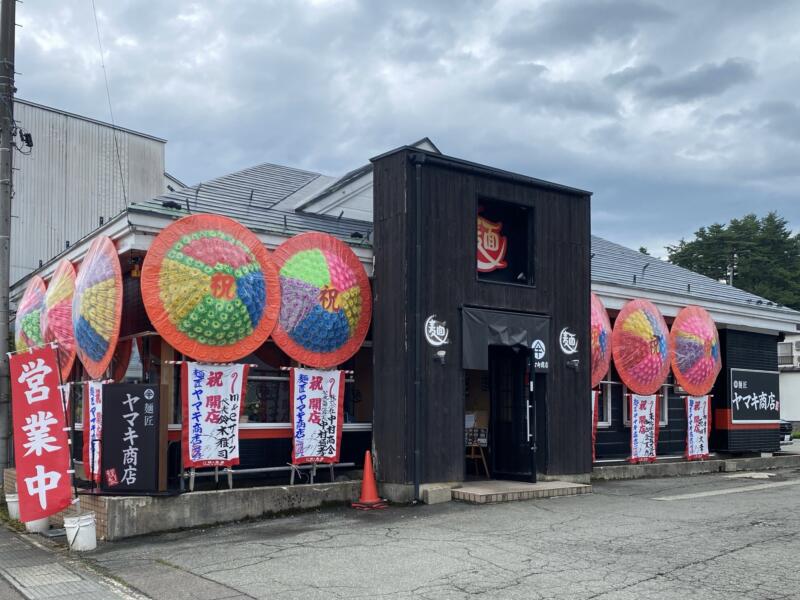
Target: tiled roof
(617, 265)
(249, 197)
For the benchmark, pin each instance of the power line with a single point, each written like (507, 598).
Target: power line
(110, 109)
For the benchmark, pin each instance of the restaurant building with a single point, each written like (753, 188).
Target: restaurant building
(479, 341)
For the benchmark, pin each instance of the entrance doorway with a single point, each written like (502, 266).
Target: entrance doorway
(512, 426)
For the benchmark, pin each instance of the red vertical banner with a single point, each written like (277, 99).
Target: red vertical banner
(317, 409)
(92, 429)
(595, 394)
(40, 442)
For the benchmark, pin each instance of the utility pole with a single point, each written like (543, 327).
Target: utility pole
(7, 39)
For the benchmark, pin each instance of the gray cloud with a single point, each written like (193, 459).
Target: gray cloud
(778, 117)
(710, 79)
(557, 25)
(631, 75)
(599, 95)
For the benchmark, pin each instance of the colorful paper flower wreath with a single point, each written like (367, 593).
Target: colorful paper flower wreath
(28, 322)
(601, 340)
(696, 359)
(57, 319)
(210, 288)
(641, 347)
(97, 306)
(326, 303)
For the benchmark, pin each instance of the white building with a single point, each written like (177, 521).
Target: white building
(74, 176)
(789, 366)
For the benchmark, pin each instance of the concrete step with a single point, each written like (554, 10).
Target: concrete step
(491, 491)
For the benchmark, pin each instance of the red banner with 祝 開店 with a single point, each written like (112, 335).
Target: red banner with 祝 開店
(40, 442)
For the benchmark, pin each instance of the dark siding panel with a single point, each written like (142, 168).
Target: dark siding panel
(744, 350)
(392, 423)
(561, 291)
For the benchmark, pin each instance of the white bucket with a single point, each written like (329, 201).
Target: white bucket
(12, 502)
(81, 532)
(38, 525)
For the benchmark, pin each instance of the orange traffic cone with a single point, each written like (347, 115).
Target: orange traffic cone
(369, 499)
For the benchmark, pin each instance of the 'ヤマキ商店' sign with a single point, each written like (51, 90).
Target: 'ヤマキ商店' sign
(754, 396)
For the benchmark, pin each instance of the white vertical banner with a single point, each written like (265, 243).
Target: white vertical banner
(698, 411)
(595, 394)
(212, 402)
(317, 410)
(92, 429)
(644, 427)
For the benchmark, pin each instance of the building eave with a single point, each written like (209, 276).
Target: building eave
(725, 314)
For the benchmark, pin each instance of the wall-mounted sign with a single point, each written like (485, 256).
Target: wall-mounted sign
(754, 396)
(436, 332)
(492, 246)
(539, 352)
(568, 341)
(130, 438)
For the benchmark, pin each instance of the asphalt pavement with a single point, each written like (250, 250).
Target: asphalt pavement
(732, 536)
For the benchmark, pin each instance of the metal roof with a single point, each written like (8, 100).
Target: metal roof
(88, 119)
(249, 196)
(618, 265)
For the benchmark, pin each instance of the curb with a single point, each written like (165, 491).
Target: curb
(687, 468)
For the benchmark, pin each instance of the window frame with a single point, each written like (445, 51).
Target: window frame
(663, 408)
(531, 241)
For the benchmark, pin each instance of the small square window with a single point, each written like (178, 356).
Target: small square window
(504, 248)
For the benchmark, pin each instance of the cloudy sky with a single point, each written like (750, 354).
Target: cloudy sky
(675, 114)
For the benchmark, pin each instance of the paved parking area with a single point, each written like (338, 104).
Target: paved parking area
(716, 536)
(732, 536)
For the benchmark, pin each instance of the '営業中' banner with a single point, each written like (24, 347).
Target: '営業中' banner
(40, 442)
(212, 401)
(595, 394)
(317, 410)
(92, 429)
(698, 411)
(644, 427)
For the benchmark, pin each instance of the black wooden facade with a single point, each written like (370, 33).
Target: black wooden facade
(448, 191)
(740, 350)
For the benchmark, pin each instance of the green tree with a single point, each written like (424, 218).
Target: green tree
(759, 255)
(644, 250)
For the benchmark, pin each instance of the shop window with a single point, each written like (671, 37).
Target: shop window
(604, 404)
(663, 406)
(267, 397)
(505, 247)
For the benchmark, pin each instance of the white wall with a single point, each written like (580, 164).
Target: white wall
(790, 395)
(72, 178)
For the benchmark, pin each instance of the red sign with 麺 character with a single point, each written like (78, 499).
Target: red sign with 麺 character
(492, 246)
(40, 442)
